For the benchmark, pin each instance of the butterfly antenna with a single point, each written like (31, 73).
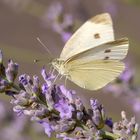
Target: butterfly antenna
(38, 39)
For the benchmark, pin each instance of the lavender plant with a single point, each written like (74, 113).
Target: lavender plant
(60, 22)
(60, 111)
(125, 88)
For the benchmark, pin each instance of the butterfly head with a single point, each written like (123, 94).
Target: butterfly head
(59, 66)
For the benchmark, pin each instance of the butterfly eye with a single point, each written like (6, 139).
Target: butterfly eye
(97, 36)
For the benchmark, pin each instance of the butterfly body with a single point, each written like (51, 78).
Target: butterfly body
(92, 57)
(59, 65)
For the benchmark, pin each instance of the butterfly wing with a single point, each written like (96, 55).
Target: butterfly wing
(96, 67)
(113, 50)
(94, 32)
(96, 74)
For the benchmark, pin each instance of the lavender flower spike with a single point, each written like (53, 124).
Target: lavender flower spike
(65, 109)
(48, 128)
(11, 71)
(61, 111)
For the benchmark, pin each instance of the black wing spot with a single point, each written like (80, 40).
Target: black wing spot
(106, 58)
(107, 51)
(97, 36)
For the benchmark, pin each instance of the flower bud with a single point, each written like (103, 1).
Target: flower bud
(11, 71)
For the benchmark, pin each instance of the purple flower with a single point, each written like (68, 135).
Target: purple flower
(109, 122)
(94, 104)
(54, 10)
(48, 96)
(98, 113)
(67, 93)
(4, 84)
(127, 75)
(60, 22)
(45, 88)
(136, 105)
(52, 15)
(65, 109)
(24, 79)
(66, 36)
(18, 109)
(57, 110)
(48, 128)
(47, 77)
(11, 71)
(79, 104)
(126, 129)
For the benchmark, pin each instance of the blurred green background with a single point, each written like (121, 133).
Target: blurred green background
(21, 22)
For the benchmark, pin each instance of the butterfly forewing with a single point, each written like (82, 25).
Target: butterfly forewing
(94, 32)
(114, 50)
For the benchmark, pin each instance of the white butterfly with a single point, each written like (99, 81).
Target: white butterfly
(91, 57)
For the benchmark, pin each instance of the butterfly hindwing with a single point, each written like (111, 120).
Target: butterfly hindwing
(96, 67)
(96, 74)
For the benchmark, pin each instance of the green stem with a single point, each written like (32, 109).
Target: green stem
(15, 87)
(105, 134)
(110, 135)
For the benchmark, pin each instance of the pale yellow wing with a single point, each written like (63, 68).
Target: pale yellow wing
(114, 50)
(94, 32)
(96, 74)
(96, 67)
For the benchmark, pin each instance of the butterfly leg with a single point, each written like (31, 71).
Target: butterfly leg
(66, 82)
(51, 69)
(54, 81)
(61, 77)
(56, 78)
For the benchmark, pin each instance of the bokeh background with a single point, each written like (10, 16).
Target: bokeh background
(21, 22)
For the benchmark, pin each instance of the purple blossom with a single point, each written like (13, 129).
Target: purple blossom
(124, 87)
(18, 109)
(94, 104)
(109, 122)
(51, 16)
(60, 22)
(47, 77)
(11, 71)
(136, 105)
(66, 36)
(67, 93)
(47, 127)
(45, 88)
(59, 110)
(127, 75)
(4, 84)
(65, 109)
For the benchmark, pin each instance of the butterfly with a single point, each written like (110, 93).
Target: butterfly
(91, 58)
